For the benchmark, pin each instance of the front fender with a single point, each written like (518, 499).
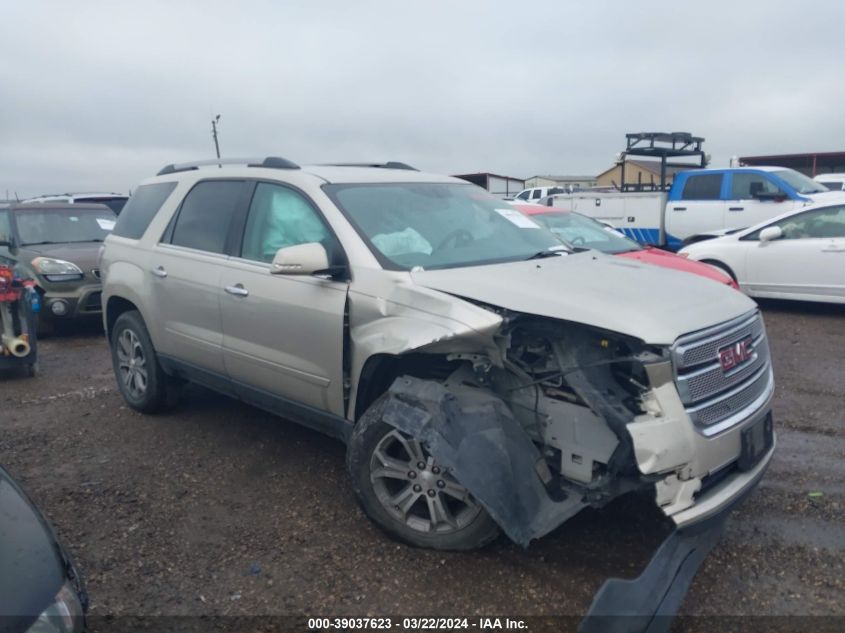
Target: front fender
(409, 318)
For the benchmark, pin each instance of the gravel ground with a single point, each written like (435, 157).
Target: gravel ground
(219, 508)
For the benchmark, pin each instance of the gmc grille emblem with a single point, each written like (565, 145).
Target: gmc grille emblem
(736, 354)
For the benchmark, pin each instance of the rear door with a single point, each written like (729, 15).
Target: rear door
(808, 262)
(744, 209)
(186, 267)
(700, 208)
(283, 334)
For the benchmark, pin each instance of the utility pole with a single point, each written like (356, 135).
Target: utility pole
(214, 122)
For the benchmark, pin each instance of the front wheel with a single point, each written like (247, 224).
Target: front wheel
(408, 494)
(140, 378)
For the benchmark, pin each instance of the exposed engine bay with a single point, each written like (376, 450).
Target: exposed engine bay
(546, 412)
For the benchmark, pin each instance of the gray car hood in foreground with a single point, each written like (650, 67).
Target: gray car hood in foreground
(32, 568)
(656, 305)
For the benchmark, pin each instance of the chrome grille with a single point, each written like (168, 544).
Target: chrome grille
(713, 397)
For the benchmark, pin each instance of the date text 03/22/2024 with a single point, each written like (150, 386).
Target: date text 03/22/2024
(421, 624)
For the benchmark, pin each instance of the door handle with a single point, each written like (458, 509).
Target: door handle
(159, 271)
(834, 249)
(238, 290)
(736, 208)
(679, 208)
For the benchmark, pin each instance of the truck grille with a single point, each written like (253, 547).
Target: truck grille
(715, 398)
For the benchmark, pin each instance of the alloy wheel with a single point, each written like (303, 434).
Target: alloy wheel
(416, 490)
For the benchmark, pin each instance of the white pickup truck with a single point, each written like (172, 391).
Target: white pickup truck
(701, 203)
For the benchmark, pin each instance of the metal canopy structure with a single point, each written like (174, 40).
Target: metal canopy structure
(661, 146)
(811, 164)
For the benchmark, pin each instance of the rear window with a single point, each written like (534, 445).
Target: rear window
(141, 208)
(205, 215)
(703, 187)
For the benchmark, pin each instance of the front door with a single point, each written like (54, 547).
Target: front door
(807, 262)
(283, 334)
(745, 209)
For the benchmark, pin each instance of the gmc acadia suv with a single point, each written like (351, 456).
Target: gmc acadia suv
(483, 375)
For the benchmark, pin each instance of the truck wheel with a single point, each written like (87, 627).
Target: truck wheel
(408, 494)
(140, 378)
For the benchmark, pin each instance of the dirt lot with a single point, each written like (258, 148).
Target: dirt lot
(219, 508)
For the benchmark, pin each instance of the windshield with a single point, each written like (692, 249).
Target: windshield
(583, 232)
(800, 182)
(439, 225)
(61, 226)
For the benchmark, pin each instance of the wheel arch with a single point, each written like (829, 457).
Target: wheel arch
(115, 306)
(720, 265)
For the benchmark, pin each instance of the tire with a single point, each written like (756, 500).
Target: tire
(695, 239)
(430, 493)
(140, 378)
(44, 326)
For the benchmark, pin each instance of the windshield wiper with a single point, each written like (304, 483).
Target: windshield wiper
(547, 253)
(40, 243)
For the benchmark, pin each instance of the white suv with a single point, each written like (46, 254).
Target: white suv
(483, 376)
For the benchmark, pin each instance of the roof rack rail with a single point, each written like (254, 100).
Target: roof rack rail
(270, 162)
(391, 164)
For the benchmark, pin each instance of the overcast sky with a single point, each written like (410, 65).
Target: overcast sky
(97, 96)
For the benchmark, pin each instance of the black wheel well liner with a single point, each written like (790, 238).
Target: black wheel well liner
(720, 264)
(380, 370)
(114, 308)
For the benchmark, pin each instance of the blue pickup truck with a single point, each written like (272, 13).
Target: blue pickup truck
(700, 204)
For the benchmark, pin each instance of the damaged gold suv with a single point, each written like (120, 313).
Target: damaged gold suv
(483, 375)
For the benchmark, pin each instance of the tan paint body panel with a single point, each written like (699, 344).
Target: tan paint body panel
(285, 337)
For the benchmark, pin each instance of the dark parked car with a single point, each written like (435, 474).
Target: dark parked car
(40, 590)
(58, 244)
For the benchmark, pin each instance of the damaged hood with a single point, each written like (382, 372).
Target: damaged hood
(656, 305)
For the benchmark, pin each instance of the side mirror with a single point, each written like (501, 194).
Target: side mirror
(302, 259)
(771, 233)
(773, 196)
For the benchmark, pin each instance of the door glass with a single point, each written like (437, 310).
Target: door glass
(820, 223)
(535, 194)
(746, 186)
(703, 187)
(280, 217)
(206, 213)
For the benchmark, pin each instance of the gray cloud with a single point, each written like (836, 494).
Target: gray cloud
(99, 96)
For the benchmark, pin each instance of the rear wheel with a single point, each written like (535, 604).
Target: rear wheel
(408, 494)
(140, 378)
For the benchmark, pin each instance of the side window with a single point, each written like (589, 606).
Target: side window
(703, 187)
(536, 194)
(141, 208)
(833, 186)
(819, 223)
(207, 210)
(746, 185)
(280, 217)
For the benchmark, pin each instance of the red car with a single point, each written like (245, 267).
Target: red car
(580, 231)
